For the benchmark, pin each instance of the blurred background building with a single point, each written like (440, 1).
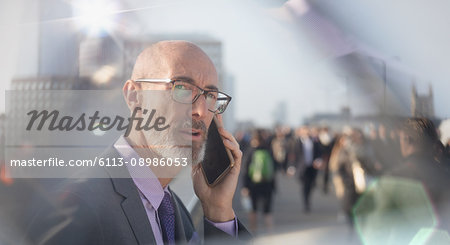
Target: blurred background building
(58, 56)
(422, 105)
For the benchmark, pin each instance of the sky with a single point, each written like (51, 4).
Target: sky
(272, 58)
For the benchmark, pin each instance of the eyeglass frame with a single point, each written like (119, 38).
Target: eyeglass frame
(202, 91)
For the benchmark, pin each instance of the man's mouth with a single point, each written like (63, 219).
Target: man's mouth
(192, 134)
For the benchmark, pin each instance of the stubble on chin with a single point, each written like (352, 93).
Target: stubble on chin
(198, 153)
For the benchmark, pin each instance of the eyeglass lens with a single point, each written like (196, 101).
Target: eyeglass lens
(185, 92)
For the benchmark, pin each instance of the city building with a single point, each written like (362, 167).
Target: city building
(56, 54)
(2, 137)
(280, 114)
(422, 105)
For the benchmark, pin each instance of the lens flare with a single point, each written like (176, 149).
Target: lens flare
(95, 17)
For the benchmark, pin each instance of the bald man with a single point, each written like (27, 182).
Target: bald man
(141, 208)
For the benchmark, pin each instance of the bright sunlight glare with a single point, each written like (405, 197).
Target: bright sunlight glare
(95, 17)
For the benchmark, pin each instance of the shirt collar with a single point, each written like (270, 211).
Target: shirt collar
(143, 177)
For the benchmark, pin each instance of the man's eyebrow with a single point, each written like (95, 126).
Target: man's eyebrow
(212, 87)
(190, 80)
(185, 79)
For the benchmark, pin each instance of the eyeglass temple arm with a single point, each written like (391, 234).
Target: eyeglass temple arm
(162, 80)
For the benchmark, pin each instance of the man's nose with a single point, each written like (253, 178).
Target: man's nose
(199, 108)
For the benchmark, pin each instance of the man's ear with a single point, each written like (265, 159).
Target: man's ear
(131, 93)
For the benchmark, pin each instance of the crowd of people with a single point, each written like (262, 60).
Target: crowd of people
(352, 159)
(299, 153)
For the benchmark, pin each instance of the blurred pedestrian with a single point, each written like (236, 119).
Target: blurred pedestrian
(243, 138)
(342, 172)
(259, 179)
(353, 166)
(335, 165)
(291, 152)
(326, 141)
(423, 161)
(362, 156)
(386, 150)
(279, 149)
(308, 153)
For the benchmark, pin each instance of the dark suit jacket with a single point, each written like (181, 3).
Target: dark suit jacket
(300, 158)
(109, 211)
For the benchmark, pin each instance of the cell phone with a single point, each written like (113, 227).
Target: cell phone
(218, 159)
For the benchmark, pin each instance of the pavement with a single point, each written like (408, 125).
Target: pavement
(325, 224)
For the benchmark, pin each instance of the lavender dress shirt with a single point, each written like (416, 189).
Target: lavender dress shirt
(152, 193)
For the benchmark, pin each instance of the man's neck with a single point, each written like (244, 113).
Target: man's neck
(164, 181)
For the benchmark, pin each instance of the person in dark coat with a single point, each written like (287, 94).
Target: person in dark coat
(308, 160)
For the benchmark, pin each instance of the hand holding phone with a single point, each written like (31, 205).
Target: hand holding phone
(216, 197)
(218, 159)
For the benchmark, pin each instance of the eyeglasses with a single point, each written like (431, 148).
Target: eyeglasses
(186, 92)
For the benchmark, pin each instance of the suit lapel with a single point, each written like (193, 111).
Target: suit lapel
(137, 216)
(132, 204)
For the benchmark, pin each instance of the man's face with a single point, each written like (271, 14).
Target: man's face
(303, 132)
(188, 122)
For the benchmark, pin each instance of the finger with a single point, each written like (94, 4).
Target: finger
(235, 151)
(237, 154)
(231, 145)
(219, 123)
(222, 131)
(227, 135)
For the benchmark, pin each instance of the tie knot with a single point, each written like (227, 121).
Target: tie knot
(166, 206)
